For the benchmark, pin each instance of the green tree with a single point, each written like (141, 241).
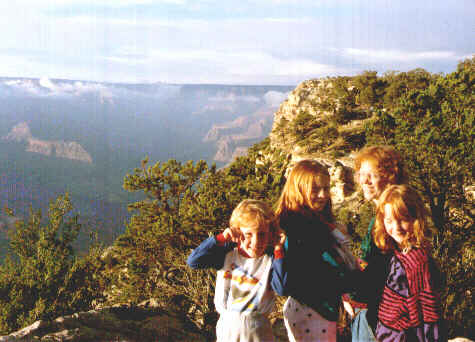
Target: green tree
(303, 123)
(434, 128)
(370, 89)
(398, 84)
(346, 107)
(167, 188)
(41, 278)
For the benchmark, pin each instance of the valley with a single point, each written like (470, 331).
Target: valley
(59, 136)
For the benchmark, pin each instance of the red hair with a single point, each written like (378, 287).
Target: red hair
(406, 205)
(386, 160)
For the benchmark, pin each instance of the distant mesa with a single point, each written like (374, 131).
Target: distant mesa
(60, 149)
(19, 133)
(232, 139)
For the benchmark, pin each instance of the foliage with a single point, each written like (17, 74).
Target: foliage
(398, 84)
(41, 278)
(428, 118)
(357, 222)
(303, 123)
(434, 128)
(370, 89)
(167, 187)
(184, 203)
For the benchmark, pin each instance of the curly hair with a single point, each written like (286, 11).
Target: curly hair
(254, 213)
(296, 194)
(386, 160)
(406, 205)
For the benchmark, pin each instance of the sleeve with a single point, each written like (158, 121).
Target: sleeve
(345, 249)
(210, 253)
(342, 238)
(432, 327)
(279, 273)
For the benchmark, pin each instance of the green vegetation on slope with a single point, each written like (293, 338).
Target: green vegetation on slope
(429, 118)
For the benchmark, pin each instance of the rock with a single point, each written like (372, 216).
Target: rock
(20, 132)
(233, 138)
(60, 149)
(120, 323)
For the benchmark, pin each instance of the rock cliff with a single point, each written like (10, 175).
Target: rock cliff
(312, 103)
(233, 138)
(60, 149)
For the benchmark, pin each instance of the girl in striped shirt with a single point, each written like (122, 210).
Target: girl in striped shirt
(409, 309)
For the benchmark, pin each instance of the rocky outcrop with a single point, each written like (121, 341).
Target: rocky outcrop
(218, 131)
(19, 133)
(60, 149)
(71, 150)
(234, 137)
(225, 148)
(313, 99)
(147, 321)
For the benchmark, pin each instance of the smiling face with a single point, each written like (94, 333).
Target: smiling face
(396, 228)
(319, 194)
(371, 181)
(254, 240)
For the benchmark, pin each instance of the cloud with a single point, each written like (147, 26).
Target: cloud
(27, 86)
(233, 98)
(401, 56)
(246, 42)
(275, 98)
(48, 4)
(45, 87)
(46, 83)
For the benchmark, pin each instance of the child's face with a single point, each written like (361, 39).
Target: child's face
(320, 193)
(254, 240)
(371, 181)
(396, 228)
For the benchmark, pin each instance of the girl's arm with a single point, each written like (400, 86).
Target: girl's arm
(344, 241)
(341, 235)
(279, 272)
(211, 252)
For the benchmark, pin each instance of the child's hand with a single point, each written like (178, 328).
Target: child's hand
(232, 235)
(349, 309)
(279, 240)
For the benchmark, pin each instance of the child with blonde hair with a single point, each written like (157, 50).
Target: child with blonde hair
(317, 255)
(248, 273)
(409, 308)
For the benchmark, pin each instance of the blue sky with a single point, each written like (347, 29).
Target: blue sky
(230, 42)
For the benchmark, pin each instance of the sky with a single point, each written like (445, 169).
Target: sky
(268, 42)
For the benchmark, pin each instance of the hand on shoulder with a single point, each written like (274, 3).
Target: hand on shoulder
(279, 240)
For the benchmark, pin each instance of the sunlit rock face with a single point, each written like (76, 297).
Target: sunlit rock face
(60, 149)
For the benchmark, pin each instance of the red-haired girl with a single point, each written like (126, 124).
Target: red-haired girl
(409, 308)
(376, 168)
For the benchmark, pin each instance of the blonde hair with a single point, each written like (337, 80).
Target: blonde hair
(407, 205)
(386, 160)
(296, 195)
(252, 212)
